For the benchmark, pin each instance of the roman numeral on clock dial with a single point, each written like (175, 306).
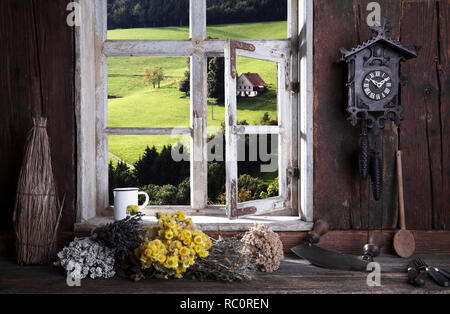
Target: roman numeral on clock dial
(377, 85)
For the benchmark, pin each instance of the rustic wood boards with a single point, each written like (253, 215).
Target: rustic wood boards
(294, 276)
(37, 62)
(339, 195)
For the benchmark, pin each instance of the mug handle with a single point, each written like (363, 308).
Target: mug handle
(147, 199)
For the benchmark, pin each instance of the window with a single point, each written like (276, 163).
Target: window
(290, 137)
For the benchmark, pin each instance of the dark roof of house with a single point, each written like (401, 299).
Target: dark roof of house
(255, 79)
(381, 36)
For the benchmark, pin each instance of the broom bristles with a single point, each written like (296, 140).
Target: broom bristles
(37, 211)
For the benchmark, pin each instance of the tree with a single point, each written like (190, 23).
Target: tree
(119, 177)
(144, 168)
(153, 76)
(216, 78)
(185, 83)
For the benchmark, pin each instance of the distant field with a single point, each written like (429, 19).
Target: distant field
(134, 104)
(262, 30)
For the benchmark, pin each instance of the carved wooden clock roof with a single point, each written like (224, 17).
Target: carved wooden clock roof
(381, 36)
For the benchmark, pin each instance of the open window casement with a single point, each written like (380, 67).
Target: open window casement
(282, 203)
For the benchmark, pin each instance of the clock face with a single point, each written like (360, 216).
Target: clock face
(377, 85)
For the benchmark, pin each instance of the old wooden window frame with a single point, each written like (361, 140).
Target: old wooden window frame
(294, 59)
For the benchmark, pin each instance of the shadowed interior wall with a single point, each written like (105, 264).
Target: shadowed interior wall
(37, 75)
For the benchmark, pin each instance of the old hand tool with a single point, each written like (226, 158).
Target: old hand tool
(404, 243)
(438, 275)
(416, 277)
(332, 260)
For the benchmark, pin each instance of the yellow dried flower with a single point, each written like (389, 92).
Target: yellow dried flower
(198, 248)
(198, 239)
(184, 251)
(172, 246)
(132, 210)
(181, 216)
(203, 254)
(169, 234)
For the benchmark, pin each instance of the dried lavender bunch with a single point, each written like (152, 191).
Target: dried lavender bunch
(264, 247)
(123, 235)
(96, 260)
(225, 262)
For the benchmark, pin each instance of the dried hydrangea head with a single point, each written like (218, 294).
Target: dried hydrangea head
(264, 247)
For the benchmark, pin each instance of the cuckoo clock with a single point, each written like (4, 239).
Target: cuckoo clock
(373, 89)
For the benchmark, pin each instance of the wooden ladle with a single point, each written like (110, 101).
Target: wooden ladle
(404, 243)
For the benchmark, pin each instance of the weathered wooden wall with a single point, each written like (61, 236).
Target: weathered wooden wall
(36, 76)
(424, 136)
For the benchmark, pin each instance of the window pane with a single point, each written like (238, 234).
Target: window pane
(247, 19)
(216, 159)
(148, 92)
(158, 165)
(256, 92)
(258, 167)
(148, 20)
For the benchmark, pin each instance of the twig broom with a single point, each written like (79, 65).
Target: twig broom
(38, 210)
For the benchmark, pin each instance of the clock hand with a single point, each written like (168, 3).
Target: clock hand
(384, 81)
(377, 84)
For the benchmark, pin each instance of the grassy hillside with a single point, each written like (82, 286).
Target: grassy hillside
(263, 30)
(134, 104)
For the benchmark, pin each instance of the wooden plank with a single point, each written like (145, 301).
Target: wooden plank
(18, 87)
(378, 214)
(335, 141)
(284, 138)
(148, 131)
(293, 35)
(56, 59)
(199, 98)
(257, 129)
(230, 138)
(306, 134)
(441, 214)
(179, 48)
(85, 114)
(420, 138)
(294, 276)
(101, 101)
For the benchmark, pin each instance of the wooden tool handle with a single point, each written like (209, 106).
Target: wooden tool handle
(321, 227)
(400, 190)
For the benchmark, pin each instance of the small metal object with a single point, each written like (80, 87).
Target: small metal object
(433, 272)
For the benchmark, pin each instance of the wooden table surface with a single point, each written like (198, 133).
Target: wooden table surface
(294, 276)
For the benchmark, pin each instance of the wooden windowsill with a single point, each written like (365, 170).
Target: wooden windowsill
(215, 223)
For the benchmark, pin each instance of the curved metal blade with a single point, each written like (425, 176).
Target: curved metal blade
(328, 259)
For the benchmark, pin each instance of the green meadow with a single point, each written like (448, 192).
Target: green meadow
(134, 104)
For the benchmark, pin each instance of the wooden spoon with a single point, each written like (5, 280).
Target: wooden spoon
(404, 243)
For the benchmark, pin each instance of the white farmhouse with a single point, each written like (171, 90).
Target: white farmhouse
(250, 85)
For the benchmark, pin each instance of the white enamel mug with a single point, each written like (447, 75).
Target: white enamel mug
(126, 197)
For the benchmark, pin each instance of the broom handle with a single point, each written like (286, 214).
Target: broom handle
(400, 190)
